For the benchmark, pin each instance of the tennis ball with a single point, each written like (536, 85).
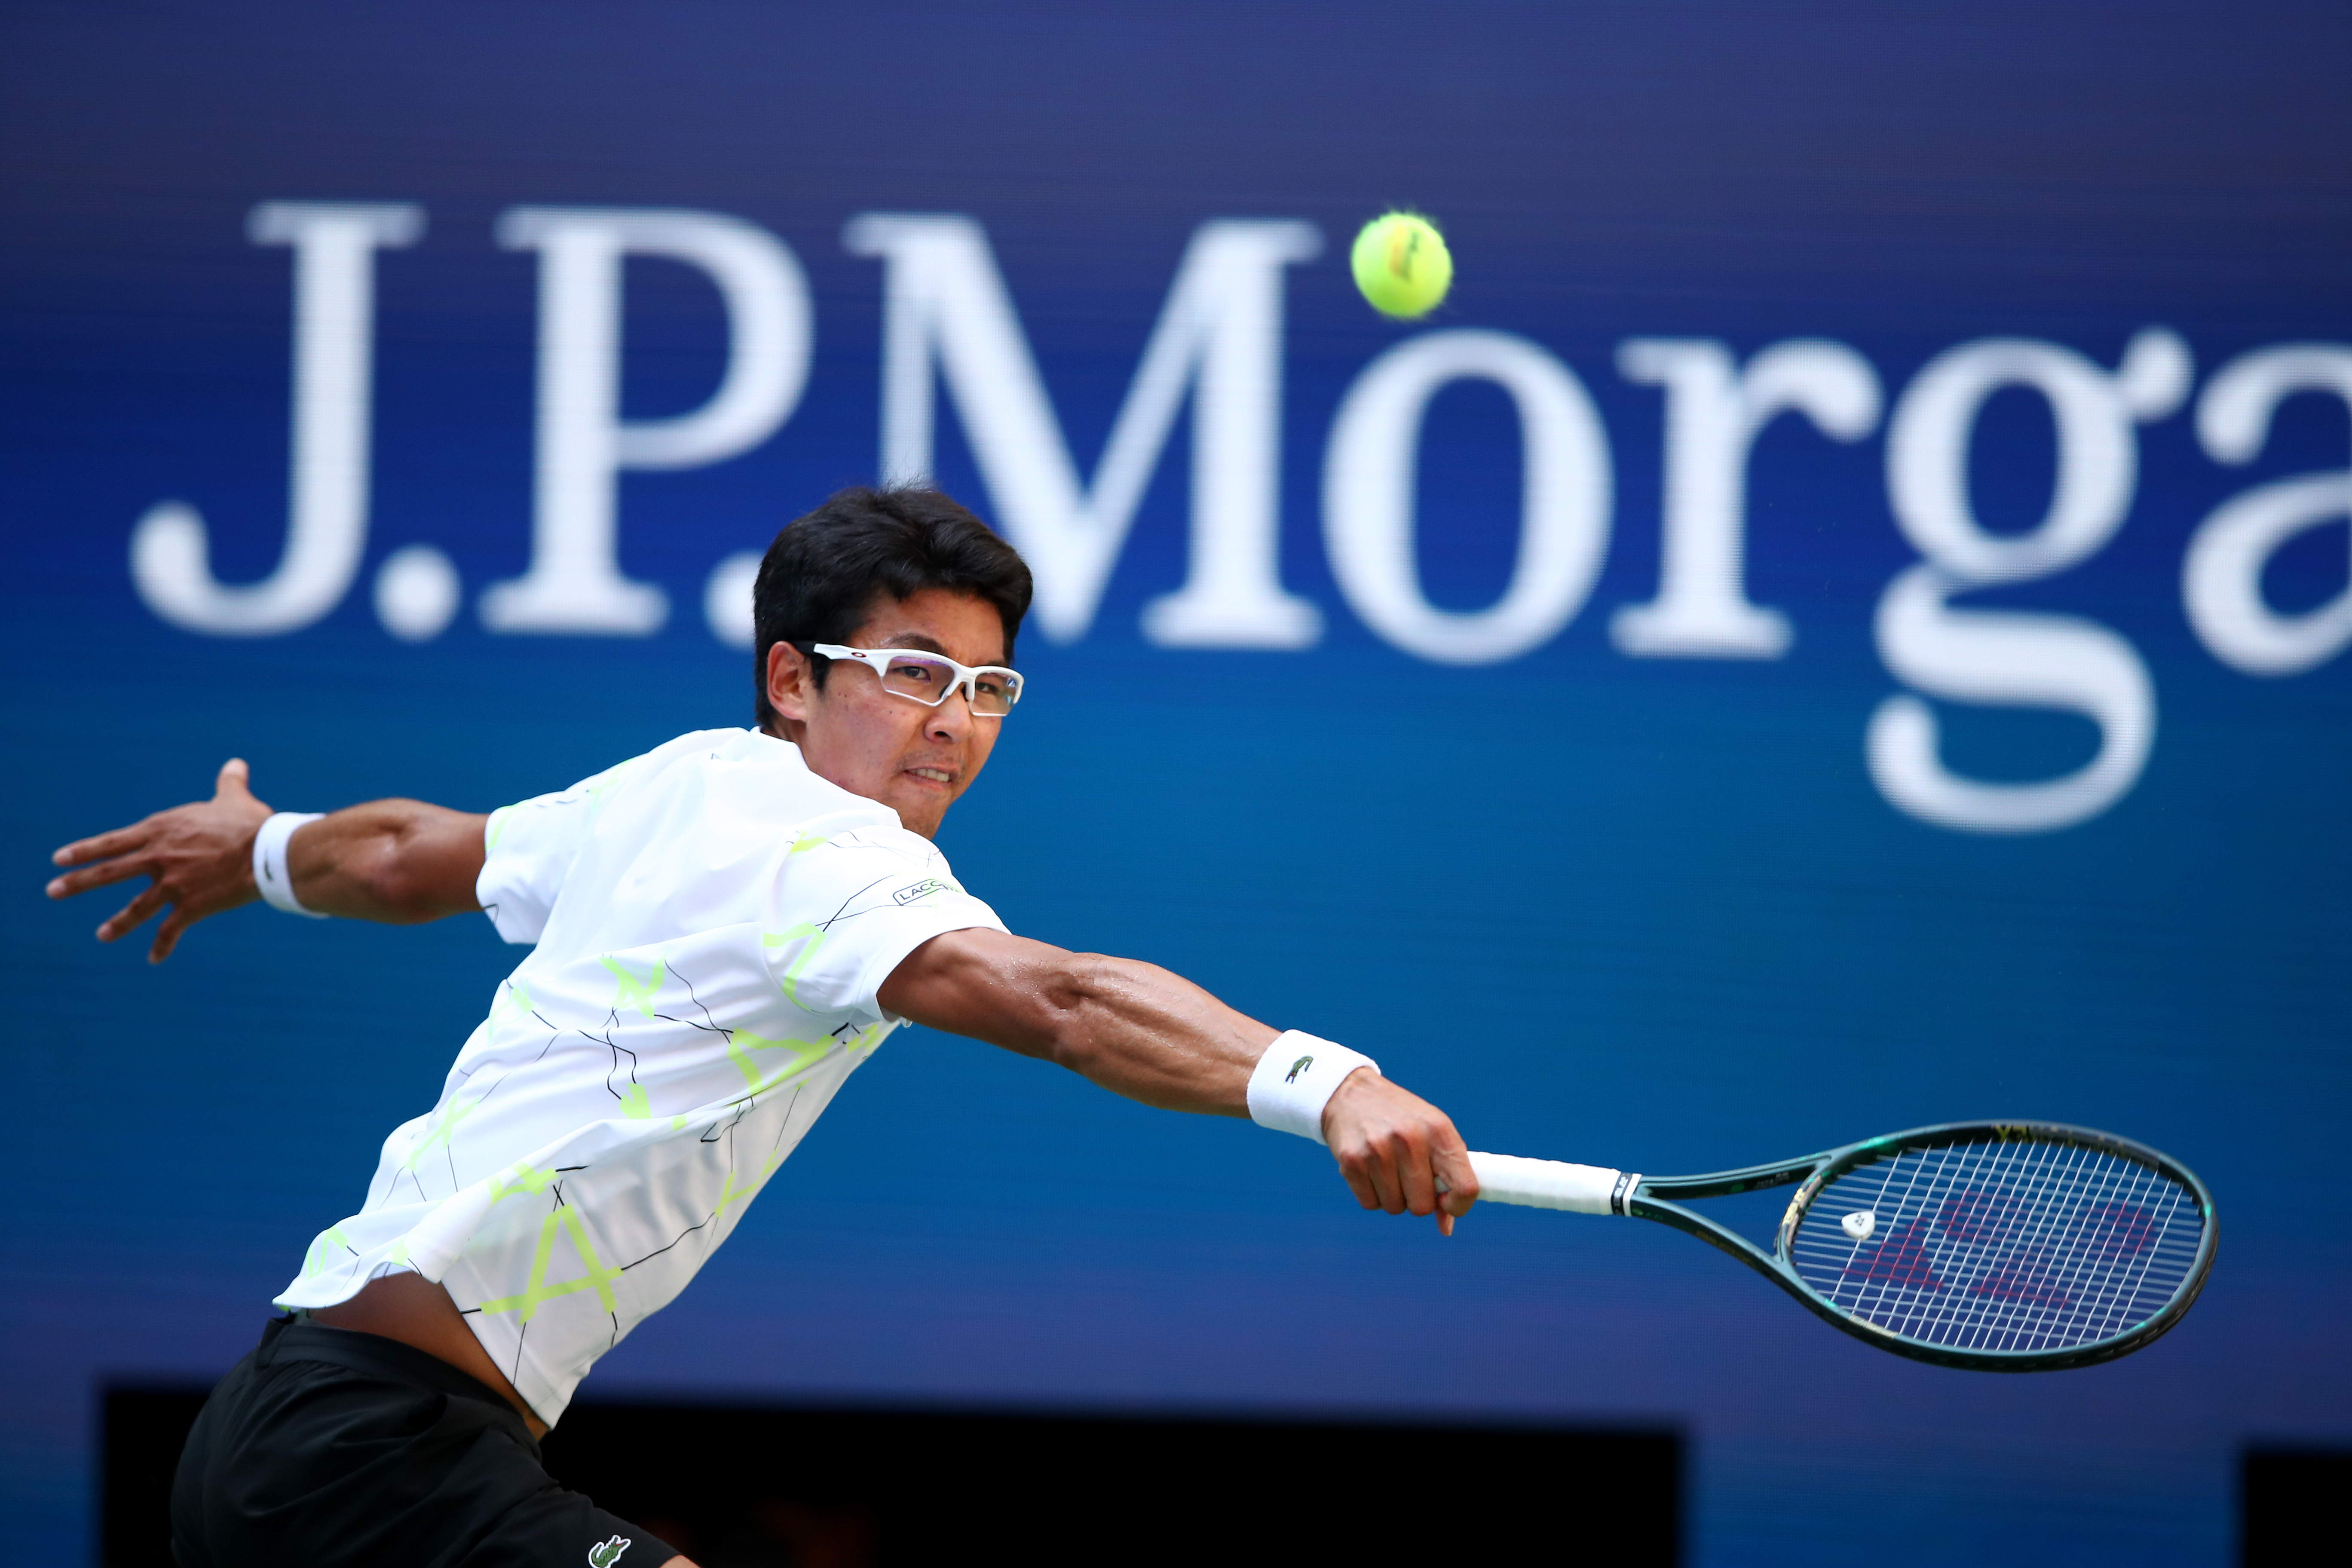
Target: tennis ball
(1401, 265)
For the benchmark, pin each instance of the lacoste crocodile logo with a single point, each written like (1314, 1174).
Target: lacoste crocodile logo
(609, 1552)
(1300, 1065)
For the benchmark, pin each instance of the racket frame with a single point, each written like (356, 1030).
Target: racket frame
(1652, 1198)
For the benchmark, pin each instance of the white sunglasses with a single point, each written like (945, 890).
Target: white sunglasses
(928, 678)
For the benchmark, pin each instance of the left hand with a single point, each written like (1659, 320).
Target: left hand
(199, 857)
(1398, 1152)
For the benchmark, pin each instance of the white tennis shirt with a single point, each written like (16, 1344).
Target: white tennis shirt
(712, 922)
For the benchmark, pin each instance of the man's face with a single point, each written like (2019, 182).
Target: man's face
(912, 759)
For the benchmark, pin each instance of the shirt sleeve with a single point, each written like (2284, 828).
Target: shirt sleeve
(528, 850)
(849, 907)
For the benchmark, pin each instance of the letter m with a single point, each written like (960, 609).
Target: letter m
(945, 303)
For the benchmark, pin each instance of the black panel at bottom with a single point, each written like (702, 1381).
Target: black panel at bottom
(742, 1487)
(830, 1489)
(2292, 1505)
(141, 1431)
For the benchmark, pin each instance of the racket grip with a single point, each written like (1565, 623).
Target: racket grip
(1551, 1184)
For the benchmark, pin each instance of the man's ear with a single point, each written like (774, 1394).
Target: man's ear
(791, 684)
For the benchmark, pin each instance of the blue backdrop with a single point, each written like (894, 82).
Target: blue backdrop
(2059, 300)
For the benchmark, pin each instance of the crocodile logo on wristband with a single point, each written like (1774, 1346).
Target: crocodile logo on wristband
(1300, 1065)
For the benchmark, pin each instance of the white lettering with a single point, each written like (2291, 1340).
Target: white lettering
(2222, 578)
(575, 581)
(416, 593)
(2003, 659)
(1998, 658)
(1715, 411)
(334, 337)
(1367, 496)
(944, 299)
(727, 599)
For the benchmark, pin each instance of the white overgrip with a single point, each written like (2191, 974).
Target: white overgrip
(1551, 1184)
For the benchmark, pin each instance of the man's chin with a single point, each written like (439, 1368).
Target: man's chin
(920, 811)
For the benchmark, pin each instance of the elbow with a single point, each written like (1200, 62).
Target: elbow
(402, 899)
(398, 889)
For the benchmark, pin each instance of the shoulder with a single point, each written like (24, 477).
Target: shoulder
(852, 839)
(671, 765)
(847, 867)
(766, 778)
(696, 746)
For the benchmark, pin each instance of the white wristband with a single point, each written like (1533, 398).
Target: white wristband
(269, 872)
(1295, 1079)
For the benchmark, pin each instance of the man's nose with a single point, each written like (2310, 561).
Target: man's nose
(952, 718)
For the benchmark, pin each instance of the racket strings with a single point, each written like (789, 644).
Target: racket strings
(1994, 1246)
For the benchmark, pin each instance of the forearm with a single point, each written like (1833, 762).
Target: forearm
(1140, 1031)
(1134, 1029)
(396, 861)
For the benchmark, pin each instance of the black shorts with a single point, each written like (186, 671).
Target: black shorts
(326, 1448)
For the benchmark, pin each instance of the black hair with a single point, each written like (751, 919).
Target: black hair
(822, 575)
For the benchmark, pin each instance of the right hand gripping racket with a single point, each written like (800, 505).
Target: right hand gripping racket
(1997, 1246)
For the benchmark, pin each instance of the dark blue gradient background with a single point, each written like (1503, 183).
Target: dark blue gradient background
(1642, 912)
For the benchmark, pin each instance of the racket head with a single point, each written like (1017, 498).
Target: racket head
(2000, 1246)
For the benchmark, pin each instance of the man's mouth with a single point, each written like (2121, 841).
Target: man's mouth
(935, 775)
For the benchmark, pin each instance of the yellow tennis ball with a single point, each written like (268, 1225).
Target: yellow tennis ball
(1401, 265)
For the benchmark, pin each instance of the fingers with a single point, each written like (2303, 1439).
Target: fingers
(1382, 1168)
(135, 914)
(1413, 1173)
(167, 935)
(97, 876)
(1372, 1180)
(1387, 1172)
(232, 783)
(120, 841)
(1398, 1152)
(1457, 1178)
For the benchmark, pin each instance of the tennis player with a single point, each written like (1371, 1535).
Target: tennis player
(721, 931)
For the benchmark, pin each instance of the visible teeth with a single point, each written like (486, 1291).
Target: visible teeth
(932, 773)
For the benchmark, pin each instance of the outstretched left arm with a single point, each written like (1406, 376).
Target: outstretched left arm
(1140, 1031)
(399, 861)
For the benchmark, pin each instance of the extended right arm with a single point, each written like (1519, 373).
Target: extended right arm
(400, 861)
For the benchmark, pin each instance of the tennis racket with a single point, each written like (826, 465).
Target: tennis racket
(1997, 1246)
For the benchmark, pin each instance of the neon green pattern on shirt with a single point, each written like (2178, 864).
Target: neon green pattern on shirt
(525, 1180)
(536, 1290)
(631, 991)
(733, 1192)
(444, 1126)
(323, 1248)
(791, 981)
(740, 1042)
